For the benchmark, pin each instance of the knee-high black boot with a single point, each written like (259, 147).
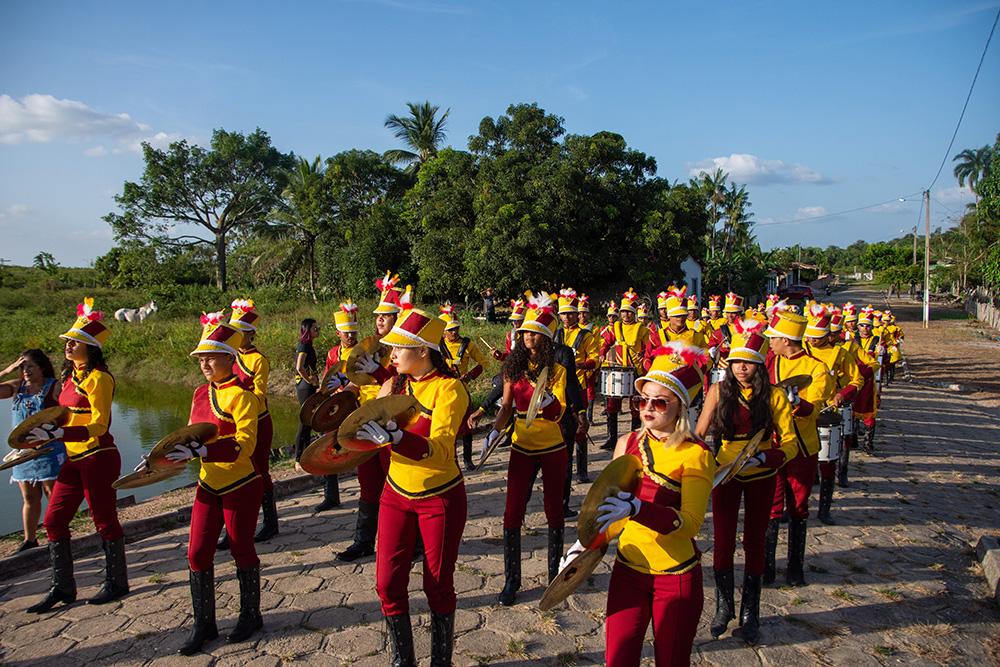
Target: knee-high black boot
(612, 440)
(203, 607)
(555, 551)
(400, 640)
(63, 584)
(842, 463)
(511, 566)
(794, 575)
(467, 452)
(568, 486)
(582, 475)
(115, 573)
(269, 512)
(725, 607)
(442, 639)
(364, 533)
(770, 547)
(825, 501)
(750, 609)
(331, 494)
(250, 620)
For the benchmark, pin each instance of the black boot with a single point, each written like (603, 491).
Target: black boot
(842, 463)
(401, 640)
(467, 452)
(223, 543)
(250, 620)
(115, 573)
(63, 585)
(511, 566)
(442, 639)
(868, 444)
(364, 533)
(331, 494)
(825, 500)
(269, 512)
(725, 607)
(555, 551)
(568, 513)
(750, 609)
(796, 552)
(203, 607)
(770, 547)
(590, 412)
(612, 440)
(582, 475)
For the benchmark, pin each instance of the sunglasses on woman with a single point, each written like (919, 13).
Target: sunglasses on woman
(657, 404)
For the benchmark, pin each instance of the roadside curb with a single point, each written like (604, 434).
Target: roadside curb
(988, 555)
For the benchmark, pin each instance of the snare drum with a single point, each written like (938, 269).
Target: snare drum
(847, 415)
(718, 375)
(617, 381)
(829, 443)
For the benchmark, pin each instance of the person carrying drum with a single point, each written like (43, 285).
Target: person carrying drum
(675, 327)
(716, 318)
(586, 352)
(718, 344)
(847, 380)
(424, 496)
(583, 307)
(693, 320)
(742, 404)
(624, 346)
(466, 361)
(535, 445)
(849, 425)
(787, 359)
(869, 355)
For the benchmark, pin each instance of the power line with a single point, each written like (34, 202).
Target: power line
(965, 106)
(837, 213)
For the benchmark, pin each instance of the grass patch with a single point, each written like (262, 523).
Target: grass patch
(844, 594)
(566, 659)
(884, 651)
(516, 647)
(890, 594)
(937, 567)
(156, 578)
(799, 601)
(547, 623)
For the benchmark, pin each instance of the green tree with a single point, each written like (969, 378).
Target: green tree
(46, 262)
(189, 196)
(304, 212)
(880, 256)
(714, 188)
(973, 165)
(422, 131)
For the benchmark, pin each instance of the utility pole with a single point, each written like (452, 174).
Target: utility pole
(927, 259)
(914, 245)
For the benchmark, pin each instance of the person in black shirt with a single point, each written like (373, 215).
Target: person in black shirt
(306, 381)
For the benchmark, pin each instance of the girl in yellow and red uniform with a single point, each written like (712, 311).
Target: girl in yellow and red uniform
(465, 360)
(93, 463)
(736, 408)
(869, 355)
(229, 486)
(538, 446)
(425, 493)
(657, 574)
(624, 345)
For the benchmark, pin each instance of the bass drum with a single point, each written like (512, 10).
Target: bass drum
(617, 381)
(829, 443)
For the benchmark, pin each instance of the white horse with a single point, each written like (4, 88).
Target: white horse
(135, 314)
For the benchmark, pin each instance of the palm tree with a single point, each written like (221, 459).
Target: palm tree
(714, 186)
(422, 131)
(973, 166)
(304, 211)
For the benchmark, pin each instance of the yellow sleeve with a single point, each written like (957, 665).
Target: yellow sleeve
(100, 388)
(476, 354)
(784, 429)
(696, 487)
(450, 406)
(260, 376)
(592, 349)
(558, 389)
(245, 408)
(822, 388)
(851, 371)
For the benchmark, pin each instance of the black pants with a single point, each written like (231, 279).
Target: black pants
(303, 390)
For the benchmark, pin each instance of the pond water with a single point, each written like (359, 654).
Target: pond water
(142, 414)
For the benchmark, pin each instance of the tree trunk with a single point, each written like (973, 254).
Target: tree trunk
(312, 268)
(220, 261)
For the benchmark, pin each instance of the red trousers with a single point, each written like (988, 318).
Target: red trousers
(673, 602)
(798, 476)
(827, 469)
(89, 478)
(614, 406)
(440, 520)
(262, 451)
(757, 498)
(521, 471)
(371, 476)
(237, 510)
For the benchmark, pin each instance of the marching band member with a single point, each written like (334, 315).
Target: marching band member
(229, 484)
(661, 310)
(715, 311)
(890, 335)
(722, 328)
(586, 352)
(735, 409)
(693, 321)
(837, 337)
(642, 314)
(657, 573)
(460, 353)
(847, 380)
(675, 327)
(869, 355)
(510, 340)
(93, 463)
(583, 306)
(424, 496)
(786, 359)
(706, 323)
(538, 446)
(624, 345)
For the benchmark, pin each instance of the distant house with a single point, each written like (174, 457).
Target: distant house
(693, 276)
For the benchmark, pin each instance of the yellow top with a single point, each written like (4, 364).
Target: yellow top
(254, 370)
(689, 336)
(88, 398)
(784, 433)
(544, 435)
(674, 490)
(367, 392)
(227, 466)
(472, 353)
(586, 349)
(813, 398)
(630, 343)
(841, 363)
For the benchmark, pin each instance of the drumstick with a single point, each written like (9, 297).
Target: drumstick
(492, 349)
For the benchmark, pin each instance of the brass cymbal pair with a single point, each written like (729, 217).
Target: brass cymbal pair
(159, 467)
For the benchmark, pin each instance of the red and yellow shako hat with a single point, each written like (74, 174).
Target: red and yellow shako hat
(567, 301)
(818, 321)
(541, 317)
(217, 336)
(748, 342)
(388, 302)
(612, 308)
(583, 304)
(244, 316)
(642, 312)
(517, 307)
(676, 367)
(866, 315)
(772, 299)
(836, 320)
(346, 317)
(449, 316)
(692, 302)
(734, 303)
(887, 316)
(784, 323)
(628, 300)
(705, 314)
(715, 303)
(676, 303)
(850, 312)
(661, 300)
(88, 328)
(416, 328)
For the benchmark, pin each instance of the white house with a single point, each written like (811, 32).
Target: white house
(692, 276)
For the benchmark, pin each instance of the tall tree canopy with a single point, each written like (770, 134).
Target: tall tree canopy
(422, 131)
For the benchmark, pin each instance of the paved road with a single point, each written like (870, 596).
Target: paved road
(893, 583)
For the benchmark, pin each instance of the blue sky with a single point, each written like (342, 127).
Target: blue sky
(818, 109)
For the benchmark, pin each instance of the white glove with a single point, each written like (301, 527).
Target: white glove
(793, 395)
(573, 552)
(372, 431)
(616, 508)
(143, 464)
(547, 400)
(366, 364)
(754, 461)
(44, 432)
(336, 381)
(713, 352)
(491, 437)
(186, 451)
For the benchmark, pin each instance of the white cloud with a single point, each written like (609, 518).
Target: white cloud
(893, 207)
(750, 169)
(807, 212)
(955, 196)
(96, 151)
(14, 211)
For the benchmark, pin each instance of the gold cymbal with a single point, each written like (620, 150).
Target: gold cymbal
(369, 345)
(334, 409)
(57, 415)
(147, 477)
(571, 576)
(534, 405)
(730, 470)
(800, 382)
(200, 431)
(309, 406)
(325, 456)
(19, 456)
(397, 408)
(622, 474)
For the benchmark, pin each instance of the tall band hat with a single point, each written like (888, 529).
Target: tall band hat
(517, 307)
(734, 303)
(415, 328)
(886, 316)
(677, 368)
(866, 315)
(541, 317)
(628, 300)
(612, 308)
(676, 303)
(388, 302)
(642, 312)
(850, 312)
(705, 314)
(244, 316)
(583, 304)
(217, 336)
(567, 301)
(661, 300)
(88, 327)
(449, 317)
(818, 321)
(346, 317)
(784, 323)
(772, 299)
(836, 320)
(692, 303)
(748, 342)
(715, 303)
